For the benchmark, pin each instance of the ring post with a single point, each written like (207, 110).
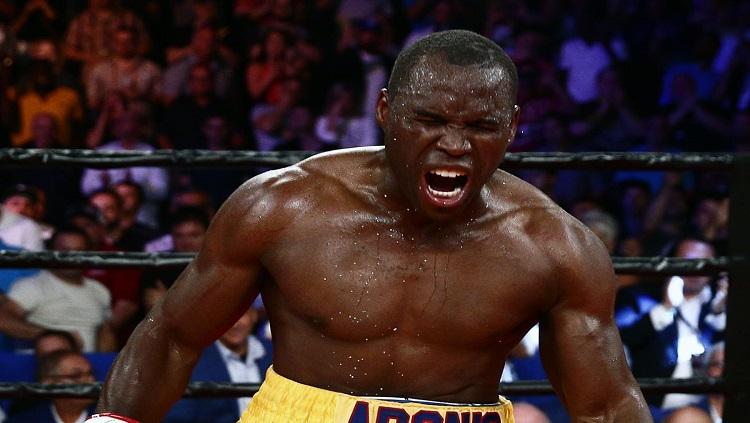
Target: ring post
(737, 365)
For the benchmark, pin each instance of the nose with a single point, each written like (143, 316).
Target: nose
(454, 142)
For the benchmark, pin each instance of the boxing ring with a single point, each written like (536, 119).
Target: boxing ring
(735, 384)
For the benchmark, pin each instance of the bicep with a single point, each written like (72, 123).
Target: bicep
(222, 281)
(580, 344)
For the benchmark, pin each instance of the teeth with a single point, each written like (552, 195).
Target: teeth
(444, 194)
(447, 173)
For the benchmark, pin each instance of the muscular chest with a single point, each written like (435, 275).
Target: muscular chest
(371, 281)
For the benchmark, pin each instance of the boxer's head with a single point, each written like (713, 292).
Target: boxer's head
(448, 115)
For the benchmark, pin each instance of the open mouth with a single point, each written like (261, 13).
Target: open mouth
(446, 184)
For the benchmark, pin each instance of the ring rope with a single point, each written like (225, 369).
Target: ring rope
(702, 385)
(100, 159)
(667, 266)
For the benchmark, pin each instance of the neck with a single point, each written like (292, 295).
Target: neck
(70, 276)
(240, 349)
(67, 411)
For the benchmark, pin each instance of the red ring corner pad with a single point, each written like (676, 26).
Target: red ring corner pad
(109, 418)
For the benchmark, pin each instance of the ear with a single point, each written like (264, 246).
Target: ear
(514, 123)
(381, 109)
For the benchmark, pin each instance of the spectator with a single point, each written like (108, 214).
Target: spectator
(188, 227)
(123, 284)
(264, 77)
(587, 53)
(19, 231)
(153, 180)
(692, 121)
(689, 318)
(122, 237)
(276, 124)
(30, 202)
(59, 367)
(238, 357)
(184, 117)
(697, 68)
(126, 72)
(46, 96)
(445, 14)
(204, 50)
(51, 341)
(45, 132)
(604, 226)
(612, 125)
(342, 124)
(186, 198)
(21, 199)
(714, 367)
(131, 195)
(89, 38)
(62, 299)
(217, 134)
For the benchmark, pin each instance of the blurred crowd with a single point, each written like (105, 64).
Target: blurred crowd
(657, 75)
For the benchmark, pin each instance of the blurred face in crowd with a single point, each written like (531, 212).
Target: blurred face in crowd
(275, 45)
(204, 43)
(215, 131)
(73, 368)
(236, 337)
(128, 126)
(43, 130)
(109, 207)
(130, 196)
(20, 204)
(52, 343)
(201, 81)
(716, 363)
(44, 50)
(635, 200)
(93, 228)
(193, 199)
(694, 249)
(188, 236)
(69, 241)
(706, 213)
(125, 44)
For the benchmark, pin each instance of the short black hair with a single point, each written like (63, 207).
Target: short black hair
(67, 336)
(67, 230)
(189, 214)
(456, 47)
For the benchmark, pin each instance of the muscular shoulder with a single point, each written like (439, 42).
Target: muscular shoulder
(273, 200)
(573, 254)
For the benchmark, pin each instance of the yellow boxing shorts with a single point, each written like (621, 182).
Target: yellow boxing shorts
(281, 400)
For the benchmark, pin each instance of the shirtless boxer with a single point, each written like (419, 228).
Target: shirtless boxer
(397, 279)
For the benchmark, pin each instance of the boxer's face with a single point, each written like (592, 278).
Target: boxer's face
(446, 133)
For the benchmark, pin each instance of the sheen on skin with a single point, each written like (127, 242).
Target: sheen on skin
(369, 282)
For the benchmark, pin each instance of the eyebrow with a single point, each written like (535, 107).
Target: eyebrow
(421, 112)
(428, 113)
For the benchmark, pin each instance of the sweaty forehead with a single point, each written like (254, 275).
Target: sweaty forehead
(435, 81)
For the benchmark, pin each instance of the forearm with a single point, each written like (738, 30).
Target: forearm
(150, 373)
(19, 328)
